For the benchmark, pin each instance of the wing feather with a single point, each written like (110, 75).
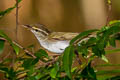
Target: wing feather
(62, 35)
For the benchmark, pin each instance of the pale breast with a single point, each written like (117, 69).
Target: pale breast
(55, 47)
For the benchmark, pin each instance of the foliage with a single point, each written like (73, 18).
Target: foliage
(83, 49)
(3, 13)
(89, 44)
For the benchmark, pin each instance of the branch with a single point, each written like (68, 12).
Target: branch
(109, 12)
(25, 50)
(6, 56)
(16, 18)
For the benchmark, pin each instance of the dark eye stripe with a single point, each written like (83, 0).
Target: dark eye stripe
(45, 34)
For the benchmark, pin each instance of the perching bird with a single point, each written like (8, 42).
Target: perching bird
(55, 42)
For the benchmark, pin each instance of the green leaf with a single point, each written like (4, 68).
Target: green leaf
(112, 51)
(91, 72)
(112, 42)
(105, 72)
(3, 13)
(73, 69)
(104, 58)
(115, 28)
(38, 76)
(3, 35)
(54, 70)
(83, 34)
(114, 78)
(53, 73)
(31, 71)
(97, 51)
(27, 63)
(91, 41)
(107, 65)
(88, 73)
(1, 45)
(104, 77)
(12, 74)
(4, 69)
(33, 62)
(114, 21)
(67, 60)
(16, 48)
(41, 53)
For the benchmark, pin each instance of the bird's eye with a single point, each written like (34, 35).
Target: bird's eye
(36, 30)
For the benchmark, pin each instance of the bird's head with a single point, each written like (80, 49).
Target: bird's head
(39, 30)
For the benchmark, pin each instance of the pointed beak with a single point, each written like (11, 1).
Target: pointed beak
(27, 26)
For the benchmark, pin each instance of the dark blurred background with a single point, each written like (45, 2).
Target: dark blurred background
(58, 15)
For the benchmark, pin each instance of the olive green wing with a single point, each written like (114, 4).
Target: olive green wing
(62, 35)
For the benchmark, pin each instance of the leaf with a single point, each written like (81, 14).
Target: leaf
(31, 71)
(91, 41)
(104, 77)
(12, 74)
(53, 73)
(105, 72)
(3, 35)
(28, 63)
(4, 69)
(114, 21)
(83, 34)
(38, 76)
(115, 28)
(106, 65)
(67, 60)
(1, 45)
(16, 48)
(97, 51)
(41, 53)
(88, 73)
(104, 58)
(112, 42)
(54, 70)
(3, 13)
(114, 78)
(33, 62)
(73, 69)
(112, 51)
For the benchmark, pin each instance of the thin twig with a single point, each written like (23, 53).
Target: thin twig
(16, 19)
(78, 58)
(28, 52)
(6, 56)
(25, 50)
(109, 13)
